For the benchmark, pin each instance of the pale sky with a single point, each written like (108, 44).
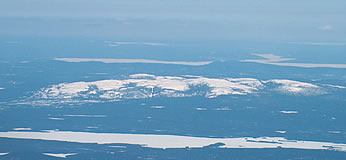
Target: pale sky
(295, 20)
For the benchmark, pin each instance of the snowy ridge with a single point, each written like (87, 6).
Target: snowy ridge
(295, 87)
(139, 86)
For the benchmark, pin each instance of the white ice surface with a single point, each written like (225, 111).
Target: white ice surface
(173, 141)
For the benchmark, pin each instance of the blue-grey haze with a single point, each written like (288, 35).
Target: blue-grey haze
(124, 67)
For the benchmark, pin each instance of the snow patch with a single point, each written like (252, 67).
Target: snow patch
(80, 115)
(59, 155)
(282, 132)
(21, 129)
(158, 107)
(289, 112)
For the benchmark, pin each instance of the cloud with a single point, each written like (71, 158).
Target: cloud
(320, 43)
(12, 42)
(277, 60)
(155, 44)
(78, 115)
(115, 44)
(110, 60)
(326, 27)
